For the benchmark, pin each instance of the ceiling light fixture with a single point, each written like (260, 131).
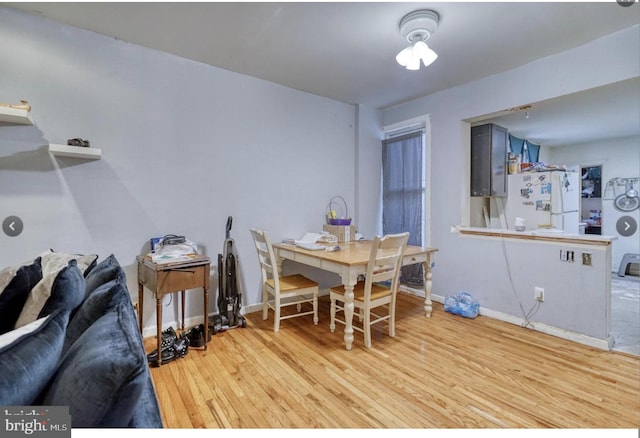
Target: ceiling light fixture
(417, 27)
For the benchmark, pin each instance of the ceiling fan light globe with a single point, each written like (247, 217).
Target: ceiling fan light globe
(420, 49)
(413, 64)
(405, 56)
(411, 56)
(429, 58)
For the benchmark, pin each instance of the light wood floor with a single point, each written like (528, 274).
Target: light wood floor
(442, 372)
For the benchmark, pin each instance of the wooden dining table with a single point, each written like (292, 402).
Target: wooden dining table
(351, 261)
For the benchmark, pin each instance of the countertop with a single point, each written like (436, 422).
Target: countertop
(541, 234)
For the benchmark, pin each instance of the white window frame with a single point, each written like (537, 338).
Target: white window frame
(395, 129)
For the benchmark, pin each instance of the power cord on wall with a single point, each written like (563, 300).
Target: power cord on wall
(534, 309)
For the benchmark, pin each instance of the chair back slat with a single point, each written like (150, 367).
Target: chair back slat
(280, 292)
(266, 256)
(385, 261)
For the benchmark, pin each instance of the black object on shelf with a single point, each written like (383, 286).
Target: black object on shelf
(593, 230)
(78, 142)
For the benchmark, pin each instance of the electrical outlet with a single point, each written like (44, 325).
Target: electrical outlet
(539, 293)
(586, 258)
(567, 255)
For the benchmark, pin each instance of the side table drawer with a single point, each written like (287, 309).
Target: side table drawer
(181, 279)
(147, 276)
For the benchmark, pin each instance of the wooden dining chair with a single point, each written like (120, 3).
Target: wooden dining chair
(378, 290)
(279, 291)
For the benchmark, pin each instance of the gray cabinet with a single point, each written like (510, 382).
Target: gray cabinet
(489, 144)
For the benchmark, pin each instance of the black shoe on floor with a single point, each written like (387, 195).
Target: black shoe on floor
(196, 336)
(168, 355)
(169, 338)
(179, 348)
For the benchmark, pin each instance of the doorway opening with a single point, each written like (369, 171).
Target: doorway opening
(591, 199)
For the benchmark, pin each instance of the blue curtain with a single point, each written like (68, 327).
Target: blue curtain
(534, 152)
(516, 144)
(403, 194)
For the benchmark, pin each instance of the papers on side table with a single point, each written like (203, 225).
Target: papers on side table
(170, 258)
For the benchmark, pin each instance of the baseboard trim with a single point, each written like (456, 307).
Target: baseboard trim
(603, 344)
(150, 330)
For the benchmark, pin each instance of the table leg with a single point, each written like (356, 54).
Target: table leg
(206, 316)
(349, 307)
(159, 328)
(140, 304)
(182, 294)
(428, 305)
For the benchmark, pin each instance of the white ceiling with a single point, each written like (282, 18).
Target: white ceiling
(346, 51)
(601, 113)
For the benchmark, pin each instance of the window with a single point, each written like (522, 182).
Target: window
(404, 191)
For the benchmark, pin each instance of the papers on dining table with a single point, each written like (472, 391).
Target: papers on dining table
(311, 246)
(309, 241)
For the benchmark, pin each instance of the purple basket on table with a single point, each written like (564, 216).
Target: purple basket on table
(340, 221)
(343, 220)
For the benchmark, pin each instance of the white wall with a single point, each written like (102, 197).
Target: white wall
(516, 266)
(620, 158)
(368, 171)
(460, 265)
(185, 145)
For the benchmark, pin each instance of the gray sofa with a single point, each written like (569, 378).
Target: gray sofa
(69, 337)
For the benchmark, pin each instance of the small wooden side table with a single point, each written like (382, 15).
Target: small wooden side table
(166, 278)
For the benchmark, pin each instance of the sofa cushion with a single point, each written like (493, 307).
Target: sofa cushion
(54, 261)
(15, 293)
(7, 274)
(28, 358)
(67, 292)
(99, 302)
(102, 375)
(107, 270)
(64, 287)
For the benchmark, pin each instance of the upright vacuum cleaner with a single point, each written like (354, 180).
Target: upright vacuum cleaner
(229, 296)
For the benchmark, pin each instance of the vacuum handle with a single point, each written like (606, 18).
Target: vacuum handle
(229, 222)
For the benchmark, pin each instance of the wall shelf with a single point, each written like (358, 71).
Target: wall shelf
(61, 150)
(15, 116)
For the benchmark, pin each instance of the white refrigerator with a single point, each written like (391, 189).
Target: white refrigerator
(543, 200)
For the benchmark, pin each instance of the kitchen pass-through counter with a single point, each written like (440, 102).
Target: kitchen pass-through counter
(507, 269)
(541, 234)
